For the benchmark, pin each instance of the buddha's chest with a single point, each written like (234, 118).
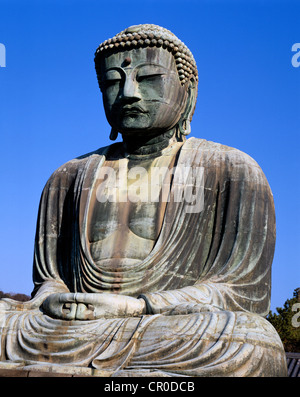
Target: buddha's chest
(130, 198)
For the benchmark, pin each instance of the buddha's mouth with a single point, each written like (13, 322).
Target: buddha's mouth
(128, 109)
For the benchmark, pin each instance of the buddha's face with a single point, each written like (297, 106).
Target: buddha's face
(141, 90)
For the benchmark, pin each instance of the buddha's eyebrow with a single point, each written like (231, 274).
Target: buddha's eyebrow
(150, 64)
(146, 68)
(113, 68)
(146, 64)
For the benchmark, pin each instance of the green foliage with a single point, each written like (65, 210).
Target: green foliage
(285, 325)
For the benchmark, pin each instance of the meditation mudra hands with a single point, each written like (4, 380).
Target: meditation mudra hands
(90, 306)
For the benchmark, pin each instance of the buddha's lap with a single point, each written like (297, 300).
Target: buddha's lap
(197, 344)
(150, 329)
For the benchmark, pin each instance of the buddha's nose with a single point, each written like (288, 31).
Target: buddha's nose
(130, 89)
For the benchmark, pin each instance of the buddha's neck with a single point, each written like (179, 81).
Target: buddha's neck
(149, 146)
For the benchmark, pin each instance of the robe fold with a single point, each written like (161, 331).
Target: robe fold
(206, 282)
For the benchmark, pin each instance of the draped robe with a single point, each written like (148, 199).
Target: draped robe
(206, 282)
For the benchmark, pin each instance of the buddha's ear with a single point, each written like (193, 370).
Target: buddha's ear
(184, 124)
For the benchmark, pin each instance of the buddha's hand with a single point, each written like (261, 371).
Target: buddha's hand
(90, 306)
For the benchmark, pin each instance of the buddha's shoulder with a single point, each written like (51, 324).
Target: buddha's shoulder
(80, 161)
(72, 168)
(218, 152)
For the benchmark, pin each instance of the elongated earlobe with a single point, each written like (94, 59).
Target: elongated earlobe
(184, 126)
(113, 135)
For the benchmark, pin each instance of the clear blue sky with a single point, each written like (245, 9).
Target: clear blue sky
(51, 107)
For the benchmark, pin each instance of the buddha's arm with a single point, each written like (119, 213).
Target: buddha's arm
(49, 287)
(235, 271)
(202, 297)
(47, 266)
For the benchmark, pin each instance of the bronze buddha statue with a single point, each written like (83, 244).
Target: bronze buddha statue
(131, 277)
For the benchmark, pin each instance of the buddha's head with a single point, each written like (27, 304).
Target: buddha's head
(148, 79)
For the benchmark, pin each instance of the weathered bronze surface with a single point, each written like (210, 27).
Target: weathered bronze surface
(152, 255)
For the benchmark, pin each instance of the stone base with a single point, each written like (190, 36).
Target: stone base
(8, 369)
(34, 370)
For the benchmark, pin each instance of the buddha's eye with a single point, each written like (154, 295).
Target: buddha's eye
(148, 77)
(111, 77)
(150, 72)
